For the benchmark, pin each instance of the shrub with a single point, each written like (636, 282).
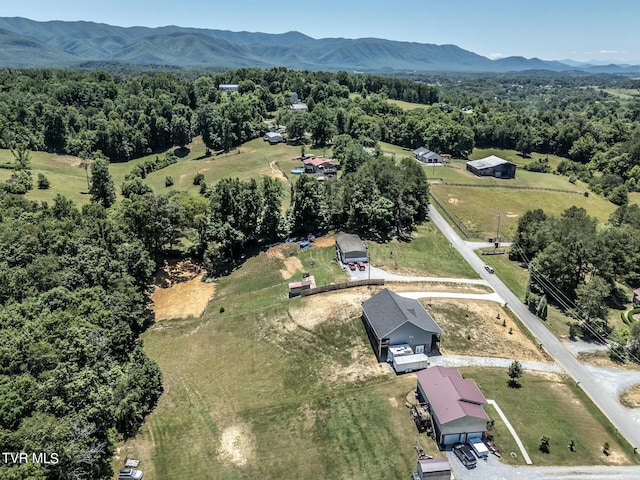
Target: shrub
(198, 179)
(544, 444)
(43, 182)
(168, 181)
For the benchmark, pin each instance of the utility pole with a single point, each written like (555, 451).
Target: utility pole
(497, 242)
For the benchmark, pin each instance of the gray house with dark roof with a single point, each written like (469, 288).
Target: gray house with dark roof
(390, 319)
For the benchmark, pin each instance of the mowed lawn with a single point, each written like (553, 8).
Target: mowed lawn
(551, 405)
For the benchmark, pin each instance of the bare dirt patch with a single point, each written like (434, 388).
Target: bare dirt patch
(291, 266)
(236, 445)
(180, 291)
(477, 326)
(630, 398)
(275, 171)
(323, 242)
(602, 359)
(316, 309)
(453, 200)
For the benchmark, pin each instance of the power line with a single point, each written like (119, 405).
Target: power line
(560, 297)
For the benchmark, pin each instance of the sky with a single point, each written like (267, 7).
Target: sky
(580, 30)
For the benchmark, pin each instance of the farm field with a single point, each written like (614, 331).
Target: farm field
(477, 208)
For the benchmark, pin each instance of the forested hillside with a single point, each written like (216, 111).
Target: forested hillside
(74, 296)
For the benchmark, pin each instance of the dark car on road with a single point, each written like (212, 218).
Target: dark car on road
(465, 454)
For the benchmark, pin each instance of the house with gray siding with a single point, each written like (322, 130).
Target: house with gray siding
(455, 404)
(390, 319)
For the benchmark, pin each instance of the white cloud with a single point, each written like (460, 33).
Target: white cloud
(493, 56)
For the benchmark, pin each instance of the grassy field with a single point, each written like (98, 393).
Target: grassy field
(252, 160)
(549, 404)
(428, 254)
(477, 209)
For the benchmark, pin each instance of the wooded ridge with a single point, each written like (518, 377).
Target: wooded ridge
(26, 43)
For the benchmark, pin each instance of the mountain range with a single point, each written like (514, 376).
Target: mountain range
(27, 43)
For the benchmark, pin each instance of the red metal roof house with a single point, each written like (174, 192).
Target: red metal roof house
(455, 405)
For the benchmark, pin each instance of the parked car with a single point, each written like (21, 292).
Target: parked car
(130, 474)
(352, 266)
(361, 266)
(488, 268)
(465, 454)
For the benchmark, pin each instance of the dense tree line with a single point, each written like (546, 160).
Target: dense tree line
(74, 296)
(380, 199)
(578, 264)
(124, 117)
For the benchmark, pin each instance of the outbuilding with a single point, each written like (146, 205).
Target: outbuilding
(455, 404)
(434, 469)
(273, 137)
(424, 155)
(492, 166)
(351, 249)
(390, 320)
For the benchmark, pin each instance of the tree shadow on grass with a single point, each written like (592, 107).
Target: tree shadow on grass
(514, 383)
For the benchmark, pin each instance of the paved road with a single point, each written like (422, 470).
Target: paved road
(628, 426)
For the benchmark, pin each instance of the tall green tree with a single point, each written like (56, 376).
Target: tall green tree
(102, 189)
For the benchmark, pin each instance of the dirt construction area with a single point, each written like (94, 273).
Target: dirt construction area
(483, 328)
(180, 292)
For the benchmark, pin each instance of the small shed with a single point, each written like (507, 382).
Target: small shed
(351, 248)
(296, 288)
(434, 469)
(492, 166)
(273, 137)
(298, 107)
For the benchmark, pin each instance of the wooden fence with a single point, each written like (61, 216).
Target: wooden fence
(342, 286)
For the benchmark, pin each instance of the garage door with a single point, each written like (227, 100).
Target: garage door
(474, 436)
(450, 438)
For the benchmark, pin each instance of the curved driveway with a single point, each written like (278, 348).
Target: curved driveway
(628, 426)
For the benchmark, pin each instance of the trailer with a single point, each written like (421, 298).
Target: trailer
(410, 363)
